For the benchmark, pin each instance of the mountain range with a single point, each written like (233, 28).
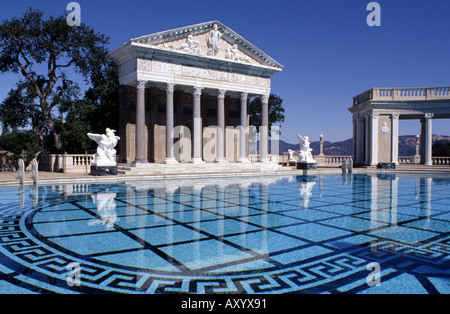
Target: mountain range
(406, 146)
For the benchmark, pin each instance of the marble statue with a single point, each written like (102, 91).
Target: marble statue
(305, 155)
(191, 46)
(106, 154)
(291, 155)
(213, 40)
(34, 170)
(233, 54)
(21, 171)
(344, 165)
(384, 128)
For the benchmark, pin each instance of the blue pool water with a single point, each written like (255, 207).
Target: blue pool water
(302, 234)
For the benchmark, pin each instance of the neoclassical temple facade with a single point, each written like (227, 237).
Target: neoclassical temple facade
(185, 92)
(376, 115)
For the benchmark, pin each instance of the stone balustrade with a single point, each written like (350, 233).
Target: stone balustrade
(441, 160)
(399, 94)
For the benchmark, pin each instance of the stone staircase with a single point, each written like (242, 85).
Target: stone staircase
(190, 168)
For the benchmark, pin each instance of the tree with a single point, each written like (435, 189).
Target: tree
(276, 111)
(441, 148)
(29, 42)
(95, 112)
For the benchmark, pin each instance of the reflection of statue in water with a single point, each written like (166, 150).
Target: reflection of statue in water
(305, 186)
(106, 154)
(106, 209)
(213, 41)
(305, 151)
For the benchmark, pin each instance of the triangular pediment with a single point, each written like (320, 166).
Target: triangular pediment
(212, 39)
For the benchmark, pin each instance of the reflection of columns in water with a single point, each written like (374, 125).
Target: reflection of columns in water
(394, 200)
(196, 198)
(243, 204)
(169, 191)
(220, 198)
(425, 198)
(264, 190)
(374, 203)
(141, 198)
(130, 209)
(320, 186)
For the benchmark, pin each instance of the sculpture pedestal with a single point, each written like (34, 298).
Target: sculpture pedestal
(103, 170)
(306, 165)
(386, 165)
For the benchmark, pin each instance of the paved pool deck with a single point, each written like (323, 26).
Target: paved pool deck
(10, 178)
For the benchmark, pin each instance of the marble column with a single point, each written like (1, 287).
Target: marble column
(366, 139)
(264, 130)
(373, 139)
(359, 144)
(243, 130)
(140, 123)
(220, 143)
(428, 139)
(170, 159)
(394, 140)
(197, 126)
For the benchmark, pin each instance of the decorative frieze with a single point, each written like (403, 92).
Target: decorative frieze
(200, 73)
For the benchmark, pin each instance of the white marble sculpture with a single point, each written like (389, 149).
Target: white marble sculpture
(21, 171)
(291, 155)
(191, 46)
(305, 151)
(106, 154)
(233, 54)
(213, 40)
(34, 170)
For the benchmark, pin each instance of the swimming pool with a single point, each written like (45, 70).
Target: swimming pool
(380, 233)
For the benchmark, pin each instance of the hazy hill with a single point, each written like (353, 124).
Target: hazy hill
(406, 146)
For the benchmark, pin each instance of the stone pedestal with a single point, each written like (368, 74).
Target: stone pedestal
(306, 165)
(103, 170)
(386, 165)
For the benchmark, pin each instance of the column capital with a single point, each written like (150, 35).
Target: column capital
(140, 85)
(197, 91)
(244, 96)
(374, 115)
(221, 94)
(395, 116)
(429, 115)
(265, 99)
(170, 88)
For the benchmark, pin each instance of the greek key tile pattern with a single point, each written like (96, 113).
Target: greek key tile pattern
(293, 234)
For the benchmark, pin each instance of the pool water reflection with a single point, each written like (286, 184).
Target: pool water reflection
(280, 234)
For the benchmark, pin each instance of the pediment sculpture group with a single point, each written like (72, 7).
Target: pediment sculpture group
(213, 41)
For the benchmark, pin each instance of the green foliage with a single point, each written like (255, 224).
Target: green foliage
(441, 148)
(276, 111)
(43, 98)
(18, 141)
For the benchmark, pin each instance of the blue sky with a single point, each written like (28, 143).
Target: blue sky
(328, 51)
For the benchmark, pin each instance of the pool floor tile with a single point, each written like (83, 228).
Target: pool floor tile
(314, 232)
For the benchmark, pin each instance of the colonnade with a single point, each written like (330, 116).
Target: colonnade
(366, 144)
(197, 125)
